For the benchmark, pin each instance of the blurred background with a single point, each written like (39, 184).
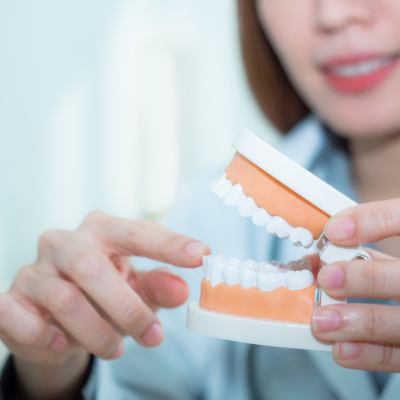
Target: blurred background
(111, 105)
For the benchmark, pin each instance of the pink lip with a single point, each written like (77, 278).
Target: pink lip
(359, 83)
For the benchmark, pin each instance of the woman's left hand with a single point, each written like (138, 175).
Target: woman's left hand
(365, 336)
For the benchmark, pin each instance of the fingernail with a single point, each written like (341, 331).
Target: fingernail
(326, 320)
(196, 249)
(331, 277)
(119, 351)
(59, 343)
(153, 335)
(348, 351)
(340, 228)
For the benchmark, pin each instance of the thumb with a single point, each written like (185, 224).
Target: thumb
(365, 223)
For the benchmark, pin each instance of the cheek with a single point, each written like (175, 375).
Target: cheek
(282, 20)
(291, 29)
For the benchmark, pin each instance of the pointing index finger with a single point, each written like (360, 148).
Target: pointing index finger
(145, 239)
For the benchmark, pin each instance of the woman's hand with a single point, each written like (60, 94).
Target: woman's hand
(365, 336)
(82, 296)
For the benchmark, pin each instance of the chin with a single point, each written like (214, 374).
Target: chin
(353, 121)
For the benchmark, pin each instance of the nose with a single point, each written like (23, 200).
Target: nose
(332, 15)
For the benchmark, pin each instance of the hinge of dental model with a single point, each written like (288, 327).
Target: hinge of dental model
(330, 253)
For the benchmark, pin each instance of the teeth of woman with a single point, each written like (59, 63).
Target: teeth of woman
(248, 277)
(301, 237)
(234, 197)
(222, 187)
(261, 217)
(247, 208)
(362, 68)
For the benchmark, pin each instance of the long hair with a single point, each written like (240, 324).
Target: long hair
(268, 81)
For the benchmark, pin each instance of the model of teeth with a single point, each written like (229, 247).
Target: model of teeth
(264, 276)
(234, 196)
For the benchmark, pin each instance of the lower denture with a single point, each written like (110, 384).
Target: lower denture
(265, 290)
(280, 304)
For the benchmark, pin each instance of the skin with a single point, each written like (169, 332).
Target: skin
(82, 296)
(304, 35)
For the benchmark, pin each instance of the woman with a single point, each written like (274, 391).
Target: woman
(325, 70)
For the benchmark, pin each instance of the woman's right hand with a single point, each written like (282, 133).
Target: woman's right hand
(82, 295)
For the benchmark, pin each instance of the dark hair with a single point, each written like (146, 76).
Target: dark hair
(269, 83)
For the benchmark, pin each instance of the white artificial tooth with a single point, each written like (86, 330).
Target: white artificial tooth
(206, 266)
(247, 207)
(279, 227)
(261, 217)
(217, 267)
(268, 281)
(222, 189)
(269, 267)
(283, 230)
(218, 183)
(210, 263)
(248, 277)
(249, 264)
(301, 237)
(231, 272)
(297, 280)
(234, 261)
(235, 196)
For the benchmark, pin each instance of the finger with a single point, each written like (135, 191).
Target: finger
(357, 322)
(360, 279)
(365, 223)
(367, 356)
(146, 239)
(69, 307)
(160, 288)
(95, 274)
(378, 255)
(27, 328)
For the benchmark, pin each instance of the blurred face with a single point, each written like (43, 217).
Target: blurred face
(343, 56)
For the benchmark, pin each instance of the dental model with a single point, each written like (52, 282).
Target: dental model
(270, 303)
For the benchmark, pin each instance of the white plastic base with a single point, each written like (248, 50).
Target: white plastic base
(252, 330)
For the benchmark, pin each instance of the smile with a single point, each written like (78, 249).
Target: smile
(359, 73)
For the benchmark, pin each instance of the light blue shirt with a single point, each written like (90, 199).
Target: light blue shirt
(189, 366)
